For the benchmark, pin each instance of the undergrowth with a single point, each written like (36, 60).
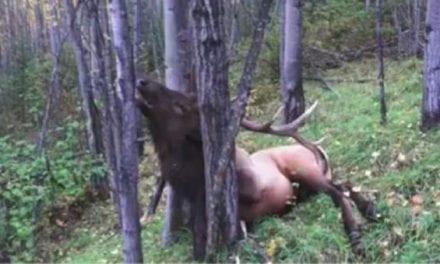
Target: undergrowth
(395, 165)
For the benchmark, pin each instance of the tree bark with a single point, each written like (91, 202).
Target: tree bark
(40, 28)
(380, 65)
(178, 65)
(111, 122)
(91, 113)
(431, 68)
(291, 72)
(54, 40)
(128, 171)
(54, 87)
(416, 23)
(219, 124)
(215, 112)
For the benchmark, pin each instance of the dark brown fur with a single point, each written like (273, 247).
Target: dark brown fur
(174, 126)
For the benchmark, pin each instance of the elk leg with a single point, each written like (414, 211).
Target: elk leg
(366, 207)
(318, 183)
(199, 227)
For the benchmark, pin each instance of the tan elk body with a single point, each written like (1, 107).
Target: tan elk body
(265, 178)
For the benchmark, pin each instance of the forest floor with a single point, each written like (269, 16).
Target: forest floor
(395, 164)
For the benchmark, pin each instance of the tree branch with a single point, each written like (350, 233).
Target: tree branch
(244, 86)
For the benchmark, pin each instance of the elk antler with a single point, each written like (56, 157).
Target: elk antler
(287, 130)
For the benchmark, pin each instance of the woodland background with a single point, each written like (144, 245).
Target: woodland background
(55, 204)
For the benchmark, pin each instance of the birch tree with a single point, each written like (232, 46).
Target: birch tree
(39, 27)
(127, 176)
(431, 68)
(178, 65)
(89, 108)
(380, 66)
(219, 123)
(291, 69)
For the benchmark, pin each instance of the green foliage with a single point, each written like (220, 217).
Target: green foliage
(21, 92)
(64, 176)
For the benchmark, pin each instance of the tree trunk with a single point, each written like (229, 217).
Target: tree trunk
(91, 113)
(40, 28)
(128, 171)
(416, 23)
(54, 87)
(215, 112)
(291, 71)
(111, 122)
(380, 66)
(54, 40)
(431, 68)
(178, 67)
(155, 11)
(367, 5)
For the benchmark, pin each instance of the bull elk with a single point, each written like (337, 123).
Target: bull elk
(265, 177)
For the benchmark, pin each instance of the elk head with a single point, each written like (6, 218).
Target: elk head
(172, 114)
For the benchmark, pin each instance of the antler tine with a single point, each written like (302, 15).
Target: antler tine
(287, 130)
(291, 127)
(277, 113)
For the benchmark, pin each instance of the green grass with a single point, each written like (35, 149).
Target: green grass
(360, 150)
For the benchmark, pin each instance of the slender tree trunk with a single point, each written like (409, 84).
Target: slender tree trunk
(215, 112)
(178, 67)
(40, 27)
(416, 23)
(137, 51)
(219, 124)
(54, 41)
(128, 170)
(367, 4)
(397, 28)
(111, 119)
(291, 71)
(431, 68)
(138, 23)
(155, 28)
(91, 112)
(234, 34)
(380, 66)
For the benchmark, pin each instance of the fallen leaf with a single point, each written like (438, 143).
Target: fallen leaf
(271, 248)
(416, 202)
(416, 199)
(398, 231)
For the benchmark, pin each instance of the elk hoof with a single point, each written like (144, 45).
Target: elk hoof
(356, 244)
(371, 212)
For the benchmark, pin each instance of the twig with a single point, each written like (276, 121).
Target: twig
(254, 244)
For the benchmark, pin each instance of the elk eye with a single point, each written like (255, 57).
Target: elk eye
(141, 82)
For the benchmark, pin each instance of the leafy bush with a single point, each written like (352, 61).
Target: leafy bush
(66, 174)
